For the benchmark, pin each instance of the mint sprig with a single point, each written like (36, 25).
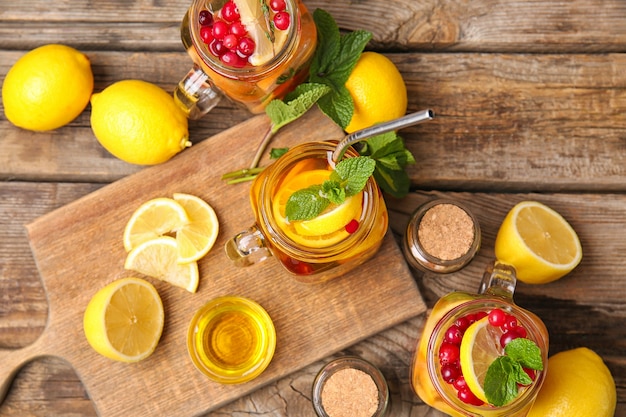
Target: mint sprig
(506, 372)
(335, 56)
(348, 178)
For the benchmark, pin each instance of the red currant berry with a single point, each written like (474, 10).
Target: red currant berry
(448, 353)
(468, 397)
(232, 59)
(220, 29)
(497, 317)
(230, 41)
(471, 318)
(459, 383)
(229, 12)
(521, 331)
(510, 323)
(462, 323)
(507, 337)
(352, 226)
(205, 18)
(217, 48)
(238, 29)
(282, 20)
(449, 373)
(246, 46)
(206, 34)
(278, 5)
(453, 335)
(480, 315)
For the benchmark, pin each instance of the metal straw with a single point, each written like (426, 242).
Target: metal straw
(379, 129)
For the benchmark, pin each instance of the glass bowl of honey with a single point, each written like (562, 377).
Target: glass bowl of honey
(231, 339)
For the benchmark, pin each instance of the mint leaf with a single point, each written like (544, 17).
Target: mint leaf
(334, 192)
(306, 95)
(391, 158)
(348, 178)
(395, 182)
(507, 371)
(328, 44)
(353, 173)
(334, 59)
(306, 204)
(276, 153)
(526, 352)
(501, 381)
(338, 106)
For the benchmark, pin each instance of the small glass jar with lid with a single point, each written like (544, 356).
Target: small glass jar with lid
(350, 386)
(442, 236)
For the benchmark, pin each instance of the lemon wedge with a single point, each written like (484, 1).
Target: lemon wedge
(478, 350)
(153, 219)
(268, 40)
(124, 320)
(538, 242)
(197, 237)
(158, 258)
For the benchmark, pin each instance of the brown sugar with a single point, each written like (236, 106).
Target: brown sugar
(446, 232)
(350, 393)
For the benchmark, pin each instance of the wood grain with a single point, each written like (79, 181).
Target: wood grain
(78, 249)
(530, 103)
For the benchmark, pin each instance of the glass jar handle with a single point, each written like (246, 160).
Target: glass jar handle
(195, 94)
(499, 279)
(247, 248)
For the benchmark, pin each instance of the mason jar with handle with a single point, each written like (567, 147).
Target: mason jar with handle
(438, 374)
(317, 250)
(244, 50)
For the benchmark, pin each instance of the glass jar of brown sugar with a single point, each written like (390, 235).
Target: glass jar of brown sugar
(442, 236)
(350, 387)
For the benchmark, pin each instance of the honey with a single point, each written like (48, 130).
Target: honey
(231, 339)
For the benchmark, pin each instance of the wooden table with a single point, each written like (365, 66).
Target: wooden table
(530, 98)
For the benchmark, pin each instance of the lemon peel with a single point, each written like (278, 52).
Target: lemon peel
(47, 88)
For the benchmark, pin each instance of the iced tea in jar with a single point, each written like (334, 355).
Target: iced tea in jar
(251, 51)
(326, 246)
(481, 354)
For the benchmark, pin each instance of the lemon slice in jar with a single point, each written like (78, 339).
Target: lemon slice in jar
(268, 41)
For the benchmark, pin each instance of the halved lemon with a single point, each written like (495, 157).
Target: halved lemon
(124, 320)
(152, 219)
(198, 236)
(479, 348)
(324, 230)
(538, 242)
(158, 258)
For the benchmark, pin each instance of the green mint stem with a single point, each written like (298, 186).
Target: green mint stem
(264, 143)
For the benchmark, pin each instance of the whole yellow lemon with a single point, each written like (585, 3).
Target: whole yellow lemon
(577, 384)
(378, 91)
(138, 122)
(47, 87)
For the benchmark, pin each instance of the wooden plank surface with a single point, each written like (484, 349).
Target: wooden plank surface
(529, 98)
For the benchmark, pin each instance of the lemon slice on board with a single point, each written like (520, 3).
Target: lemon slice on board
(538, 242)
(479, 348)
(153, 219)
(158, 258)
(197, 237)
(124, 320)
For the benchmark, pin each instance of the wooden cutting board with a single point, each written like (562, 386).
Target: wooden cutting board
(78, 249)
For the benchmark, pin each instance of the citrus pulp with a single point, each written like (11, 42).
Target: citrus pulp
(124, 320)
